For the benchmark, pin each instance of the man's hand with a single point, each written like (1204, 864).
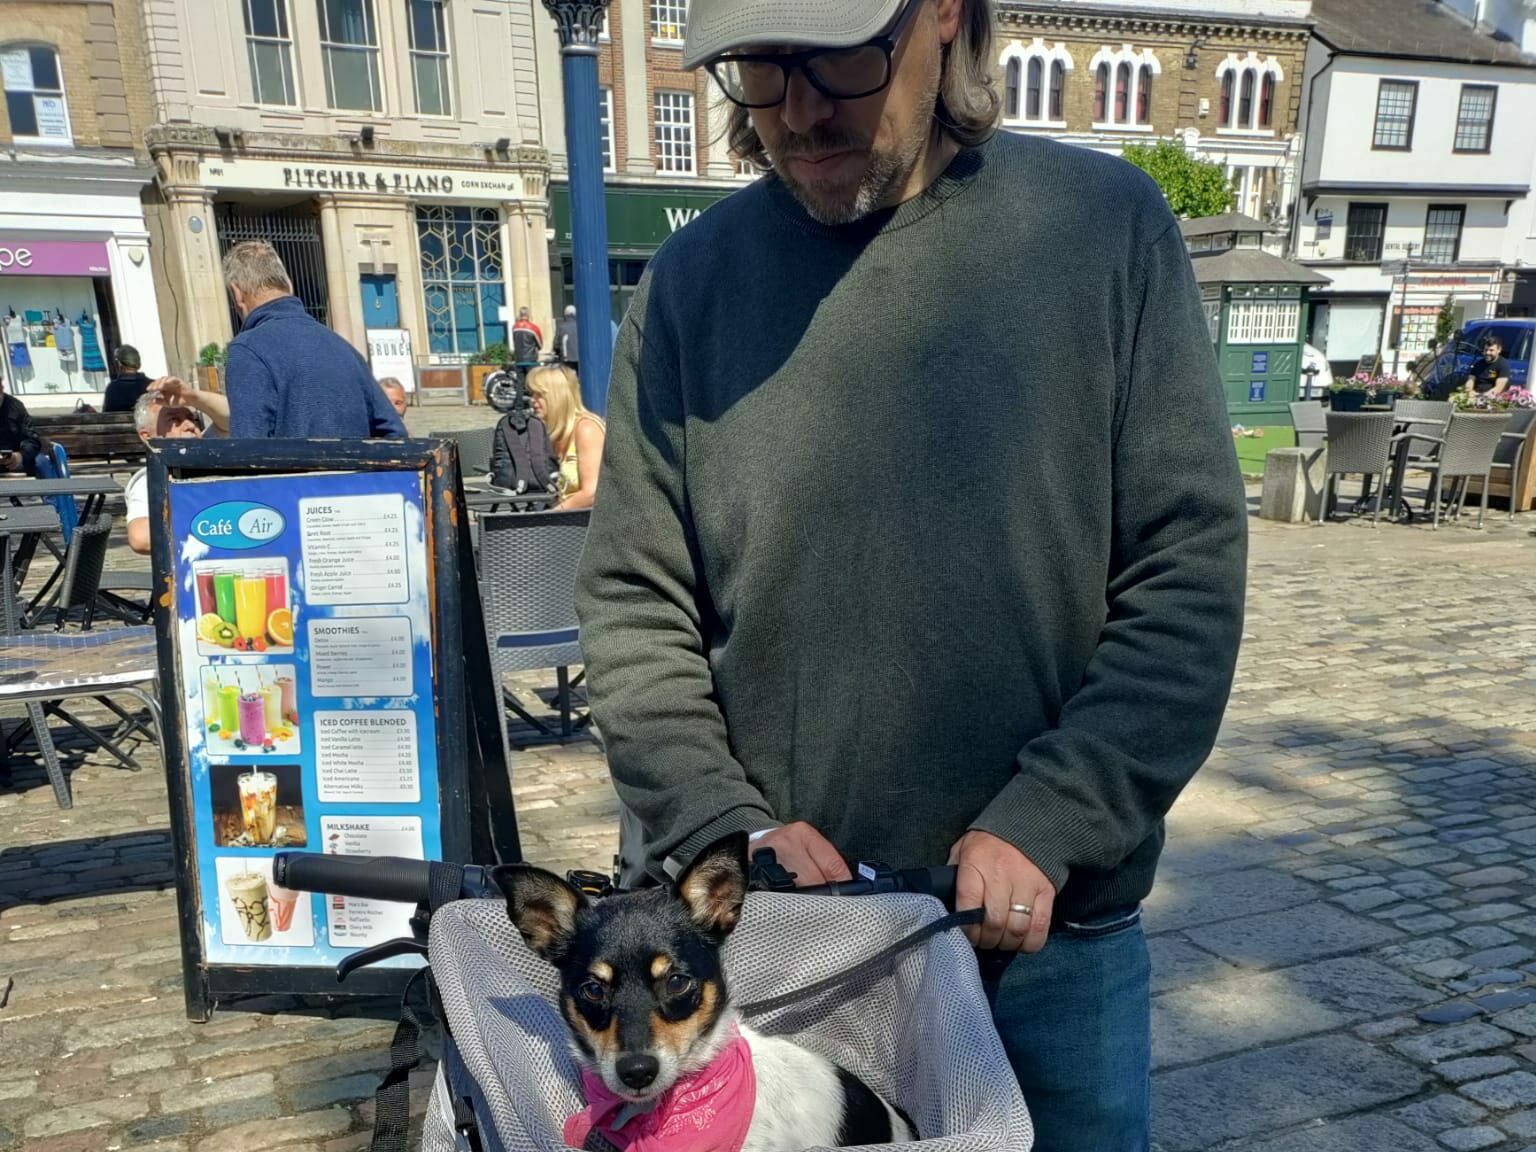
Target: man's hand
(992, 874)
(11, 462)
(805, 852)
(173, 390)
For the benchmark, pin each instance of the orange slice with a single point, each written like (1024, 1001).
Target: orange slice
(280, 627)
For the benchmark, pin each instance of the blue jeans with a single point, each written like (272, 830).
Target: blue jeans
(1075, 1019)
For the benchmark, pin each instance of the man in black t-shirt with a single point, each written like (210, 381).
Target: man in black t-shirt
(1491, 373)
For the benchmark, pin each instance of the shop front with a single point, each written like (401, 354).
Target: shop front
(640, 218)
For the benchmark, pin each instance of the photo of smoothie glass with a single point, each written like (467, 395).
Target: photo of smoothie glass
(253, 718)
(290, 701)
(283, 901)
(224, 596)
(229, 709)
(251, 607)
(258, 799)
(272, 698)
(207, 597)
(248, 893)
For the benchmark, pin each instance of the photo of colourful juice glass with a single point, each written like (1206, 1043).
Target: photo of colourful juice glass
(229, 709)
(224, 596)
(211, 701)
(277, 589)
(207, 598)
(251, 606)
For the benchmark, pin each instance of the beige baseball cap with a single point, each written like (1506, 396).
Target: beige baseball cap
(719, 26)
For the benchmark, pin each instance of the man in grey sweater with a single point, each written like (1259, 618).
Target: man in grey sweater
(877, 595)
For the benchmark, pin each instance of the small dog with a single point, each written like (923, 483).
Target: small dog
(664, 1056)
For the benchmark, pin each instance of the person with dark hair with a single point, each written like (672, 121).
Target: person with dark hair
(20, 443)
(1491, 373)
(129, 383)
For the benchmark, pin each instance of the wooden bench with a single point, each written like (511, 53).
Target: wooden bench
(95, 441)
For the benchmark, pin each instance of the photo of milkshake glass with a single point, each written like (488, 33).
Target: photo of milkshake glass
(248, 893)
(283, 901)
(253, 718)
(272, 699)
(290, 702)
(258, 800)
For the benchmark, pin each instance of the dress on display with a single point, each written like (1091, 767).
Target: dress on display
(64, 340)
(91, 359)
(16, 342)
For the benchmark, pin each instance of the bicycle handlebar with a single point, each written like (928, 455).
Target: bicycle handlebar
(936, 882)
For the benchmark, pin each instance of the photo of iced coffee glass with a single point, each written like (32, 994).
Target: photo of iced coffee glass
(248, 893)
(258, 804)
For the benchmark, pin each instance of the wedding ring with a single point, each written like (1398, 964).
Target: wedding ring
(1021, 909)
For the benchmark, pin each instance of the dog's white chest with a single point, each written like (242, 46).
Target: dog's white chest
(799, 1098)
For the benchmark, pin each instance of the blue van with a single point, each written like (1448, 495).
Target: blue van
(1455, 365)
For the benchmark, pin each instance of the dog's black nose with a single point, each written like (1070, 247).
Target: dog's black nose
(637, 1071)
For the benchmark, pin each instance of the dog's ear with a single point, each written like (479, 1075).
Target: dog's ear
(541, 905)
(714, 886)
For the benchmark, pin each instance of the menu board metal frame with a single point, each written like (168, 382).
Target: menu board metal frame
(476, 821)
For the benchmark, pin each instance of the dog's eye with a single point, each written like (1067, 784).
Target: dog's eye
(677, 983)
(592, 992)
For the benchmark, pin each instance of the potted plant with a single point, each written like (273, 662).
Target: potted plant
(489, 359)
(210, 367)
(1385, 389)
(1349, 395)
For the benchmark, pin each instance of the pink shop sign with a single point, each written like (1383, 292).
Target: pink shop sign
(22, 257)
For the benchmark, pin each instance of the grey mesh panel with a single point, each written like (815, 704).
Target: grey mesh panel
(920, 1033)
(528, 584)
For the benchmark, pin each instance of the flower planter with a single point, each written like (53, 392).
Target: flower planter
(1348, 399)
(1387, 398)
(477, 375)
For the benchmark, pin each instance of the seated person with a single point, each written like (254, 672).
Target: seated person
(19, 441)
(128, 384)
(175, 392)
(396, 393)
(1491, 373)
(576, 434)
(154, 419)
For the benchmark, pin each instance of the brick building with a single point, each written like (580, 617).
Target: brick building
(664, 150)
(389, 149)
(75, 255)
(1224, 76)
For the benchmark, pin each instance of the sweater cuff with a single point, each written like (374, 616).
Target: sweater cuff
(1049, 829)
(747, 820)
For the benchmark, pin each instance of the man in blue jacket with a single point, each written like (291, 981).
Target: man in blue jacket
(289, 376)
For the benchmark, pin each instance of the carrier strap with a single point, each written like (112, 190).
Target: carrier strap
(392, 1101)
(872, 963)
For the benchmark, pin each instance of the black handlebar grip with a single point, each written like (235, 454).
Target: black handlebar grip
(937, 882)
(366, 877)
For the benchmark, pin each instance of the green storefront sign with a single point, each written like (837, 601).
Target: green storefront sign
(639, 219)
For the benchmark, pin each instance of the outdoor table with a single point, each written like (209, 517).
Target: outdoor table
(94, 489)
(39, 670)
(1404, 432)
(489, 499)
(22, 520)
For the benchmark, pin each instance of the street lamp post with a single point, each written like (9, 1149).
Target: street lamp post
(1402, 310)
(579, 23)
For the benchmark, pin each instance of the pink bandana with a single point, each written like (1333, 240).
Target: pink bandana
(708, 1111)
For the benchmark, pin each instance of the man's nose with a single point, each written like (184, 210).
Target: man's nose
(804, 107)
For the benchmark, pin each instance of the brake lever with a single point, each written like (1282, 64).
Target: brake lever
(768, 875)
(379, 952)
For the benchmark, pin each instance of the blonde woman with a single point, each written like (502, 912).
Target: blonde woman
(577, 435)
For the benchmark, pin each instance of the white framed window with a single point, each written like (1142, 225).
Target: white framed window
(429, 56)
(669, 21)
(269, 47)
(1122, 87)
(605, 126)
(349, 43)
(1034, 82)
(34, 95)
(1249, 85)
(1263, 321)
(673, 115)
(747, 168)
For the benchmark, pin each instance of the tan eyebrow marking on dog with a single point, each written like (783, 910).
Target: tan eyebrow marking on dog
(659, 966)
(603, 972)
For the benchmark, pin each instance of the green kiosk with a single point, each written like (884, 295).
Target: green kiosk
(1255, 302)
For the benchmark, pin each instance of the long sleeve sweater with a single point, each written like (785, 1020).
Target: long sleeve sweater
(922, 524)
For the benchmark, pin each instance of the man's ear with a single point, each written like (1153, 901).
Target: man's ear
(541, 905)
(714, 886)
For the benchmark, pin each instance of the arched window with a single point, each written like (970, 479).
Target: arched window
(1122, 93)
(1101, 93)
(1144, 95)
(1058, 87)
(1267, 101)
(1011, 89)
(1227, 82)
(34, 94)
(1032, 89)
(1245, 103)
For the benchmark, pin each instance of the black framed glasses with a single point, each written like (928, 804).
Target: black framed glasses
(761, 79)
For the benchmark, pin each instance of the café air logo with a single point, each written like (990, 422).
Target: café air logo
(238, 524)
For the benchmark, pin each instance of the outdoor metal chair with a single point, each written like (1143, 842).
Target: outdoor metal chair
(1466, 450)
(1510, 453)
(1426, 420)
(80, 582)
(528, 591)
(1358, 442)
(1309, 419)
(474, 450)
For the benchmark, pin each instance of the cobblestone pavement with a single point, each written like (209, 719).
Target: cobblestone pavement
(1344, 932)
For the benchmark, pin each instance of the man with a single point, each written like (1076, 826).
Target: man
(394, 392)
(125, 388)
(287, 375)
(20, 443)
(566, 345)
(990, 619)
(1491, 373)
(153, 417)
(524, 323)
